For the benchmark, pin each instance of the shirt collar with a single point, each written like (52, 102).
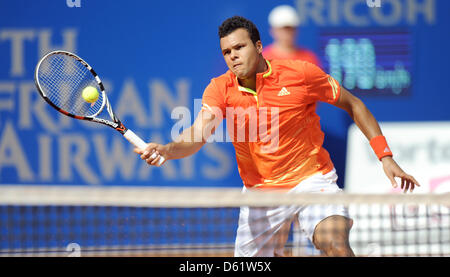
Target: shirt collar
(269, 70)
(266, 74)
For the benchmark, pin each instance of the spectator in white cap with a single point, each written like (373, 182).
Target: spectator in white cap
(284, 22)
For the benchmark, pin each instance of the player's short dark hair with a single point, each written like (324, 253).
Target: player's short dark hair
(236, 22)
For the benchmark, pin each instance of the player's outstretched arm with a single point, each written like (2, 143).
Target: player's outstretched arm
(188, 143)
(367, 123)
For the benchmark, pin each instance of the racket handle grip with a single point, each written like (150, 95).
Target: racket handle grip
(135, 139)
(139, 143)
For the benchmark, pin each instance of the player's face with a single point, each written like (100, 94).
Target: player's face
(240, 53)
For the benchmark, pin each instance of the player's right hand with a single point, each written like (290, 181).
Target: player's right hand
(154, 154)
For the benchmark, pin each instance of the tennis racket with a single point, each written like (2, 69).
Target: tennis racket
(61, 77)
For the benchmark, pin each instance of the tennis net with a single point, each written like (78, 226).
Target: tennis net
(187, 222)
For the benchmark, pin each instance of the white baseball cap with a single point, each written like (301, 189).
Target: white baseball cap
(284, 16)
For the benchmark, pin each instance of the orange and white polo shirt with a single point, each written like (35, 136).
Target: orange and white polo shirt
(284, 146)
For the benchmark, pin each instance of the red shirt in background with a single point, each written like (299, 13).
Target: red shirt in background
(270, 53)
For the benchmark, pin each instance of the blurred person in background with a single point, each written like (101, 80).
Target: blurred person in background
(284, 22)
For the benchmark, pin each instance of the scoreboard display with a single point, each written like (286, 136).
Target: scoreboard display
(369, 62)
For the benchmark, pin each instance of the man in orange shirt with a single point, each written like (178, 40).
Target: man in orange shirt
(284, 27)
(284, 152)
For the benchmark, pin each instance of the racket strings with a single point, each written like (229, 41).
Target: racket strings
(62, 79)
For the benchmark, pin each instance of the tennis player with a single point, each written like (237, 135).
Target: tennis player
(297, 163)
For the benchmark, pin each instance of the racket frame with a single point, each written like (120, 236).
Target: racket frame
(115, 124)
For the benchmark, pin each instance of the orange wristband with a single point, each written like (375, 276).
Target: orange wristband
(380, 147)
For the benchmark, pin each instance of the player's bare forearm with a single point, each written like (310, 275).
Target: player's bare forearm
(369, 126)
(360, 114)
(185, 145)
(188, 143)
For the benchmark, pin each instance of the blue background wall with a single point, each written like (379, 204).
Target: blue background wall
(156, 55)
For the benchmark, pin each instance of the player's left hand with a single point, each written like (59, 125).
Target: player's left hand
(392, 170)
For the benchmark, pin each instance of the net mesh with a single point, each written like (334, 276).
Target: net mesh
(146, 221)
(62, 79)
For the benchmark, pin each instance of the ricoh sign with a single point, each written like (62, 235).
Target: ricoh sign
(363, 13)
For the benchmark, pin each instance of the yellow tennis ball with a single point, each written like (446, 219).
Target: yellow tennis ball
(90, 94)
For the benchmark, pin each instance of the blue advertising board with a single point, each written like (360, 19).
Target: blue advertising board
(155, 56)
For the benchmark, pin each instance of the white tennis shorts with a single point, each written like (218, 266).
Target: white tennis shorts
(263, 231)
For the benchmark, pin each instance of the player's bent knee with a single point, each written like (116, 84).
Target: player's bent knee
(335, 247)
(340, 249)
(331, 236)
